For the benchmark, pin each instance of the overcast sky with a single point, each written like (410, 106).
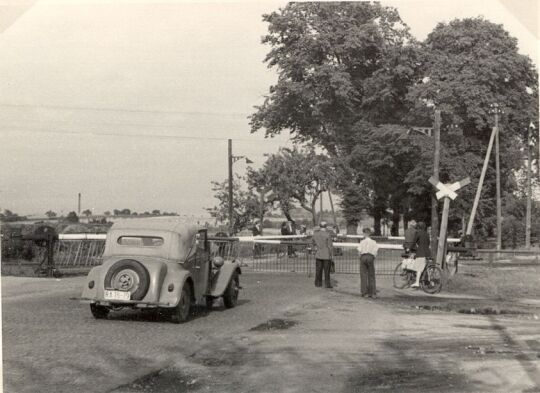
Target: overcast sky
(131, 103)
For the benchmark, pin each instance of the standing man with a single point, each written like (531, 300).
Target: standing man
(256, 230)
(367, 249)
(409, 244)
(289, 228)
(423, 251)
(322, 241)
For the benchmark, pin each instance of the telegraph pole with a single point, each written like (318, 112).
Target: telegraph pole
(529, 191)
(436, 160)
(230, 163)
(498, 177)
(79, 205)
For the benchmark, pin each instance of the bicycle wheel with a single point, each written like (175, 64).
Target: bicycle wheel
(431, 279)
(401, 277)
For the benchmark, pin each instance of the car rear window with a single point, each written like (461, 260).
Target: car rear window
(140, 241)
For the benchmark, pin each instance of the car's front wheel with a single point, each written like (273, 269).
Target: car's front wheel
(99, 312)
(180, 313)
(230, 297)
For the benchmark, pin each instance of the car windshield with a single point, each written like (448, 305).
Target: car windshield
(140, 241)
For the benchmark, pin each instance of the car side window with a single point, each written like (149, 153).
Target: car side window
(201, 240)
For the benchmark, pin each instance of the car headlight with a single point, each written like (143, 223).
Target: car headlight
(218, 261)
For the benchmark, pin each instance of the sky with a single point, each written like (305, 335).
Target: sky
(131, 103)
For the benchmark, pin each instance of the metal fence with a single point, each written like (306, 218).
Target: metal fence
(78, 253)
(274, 255)
(294, 256)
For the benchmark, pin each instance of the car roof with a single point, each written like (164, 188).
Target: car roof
(172, 224)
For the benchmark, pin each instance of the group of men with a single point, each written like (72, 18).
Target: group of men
(416, 245)
(367, 249)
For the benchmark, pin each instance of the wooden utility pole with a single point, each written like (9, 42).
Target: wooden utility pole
(436, 161)
(79, 205)
(261, 210)
(332, 207)
(498, 178)
(230, 164)
(448, 192)
(481, 182)
(529, 190)
(320, 207)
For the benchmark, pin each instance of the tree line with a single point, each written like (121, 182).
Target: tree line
(353, 86)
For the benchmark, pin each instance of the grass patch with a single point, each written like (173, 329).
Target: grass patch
(505, 283)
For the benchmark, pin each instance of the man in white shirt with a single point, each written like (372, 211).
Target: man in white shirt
(367, 249)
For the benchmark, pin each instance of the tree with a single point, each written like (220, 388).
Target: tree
(156, 212)
(107, 213)
(299, 175)
(117, 212)
(245, 204)
(50, 214)
(87, 213)
(72, 217)
(467, 65)
(329, 57)
(125, 212)
(325, 53)
(350, 70)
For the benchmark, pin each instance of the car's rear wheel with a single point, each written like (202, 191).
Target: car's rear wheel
(180, 313)
(99, 312)
(130, 276)
(230, 297)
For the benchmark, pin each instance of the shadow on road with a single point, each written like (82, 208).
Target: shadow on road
(153, 315)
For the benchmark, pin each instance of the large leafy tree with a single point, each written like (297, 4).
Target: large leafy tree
(325, 53)
(468, 65)
(329, 57)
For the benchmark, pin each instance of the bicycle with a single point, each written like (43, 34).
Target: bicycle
(431, 279)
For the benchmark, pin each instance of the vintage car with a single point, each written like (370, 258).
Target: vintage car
(160, 263)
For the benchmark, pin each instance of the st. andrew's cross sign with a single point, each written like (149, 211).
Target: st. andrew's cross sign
(448, 192)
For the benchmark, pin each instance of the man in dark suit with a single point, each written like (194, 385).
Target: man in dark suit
(256, 230)
(289, 228)
(322, 241)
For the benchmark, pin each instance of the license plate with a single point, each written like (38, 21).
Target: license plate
(117, 295)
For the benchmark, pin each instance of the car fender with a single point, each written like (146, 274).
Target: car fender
(222, 278)
(93, 276)
(175, 280)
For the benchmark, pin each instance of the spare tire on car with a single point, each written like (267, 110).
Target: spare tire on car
(128, 275)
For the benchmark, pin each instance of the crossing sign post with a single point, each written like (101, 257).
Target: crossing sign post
(448, 192)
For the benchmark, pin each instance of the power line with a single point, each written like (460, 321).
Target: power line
(127, 110)
(131, 135)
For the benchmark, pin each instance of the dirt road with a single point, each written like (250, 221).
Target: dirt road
(316, 341)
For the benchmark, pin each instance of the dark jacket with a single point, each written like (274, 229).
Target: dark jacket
(422, 244)
(410, 239)
(323, 243)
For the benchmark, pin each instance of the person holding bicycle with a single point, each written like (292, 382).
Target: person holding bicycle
(421, 244)
(409, 245)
